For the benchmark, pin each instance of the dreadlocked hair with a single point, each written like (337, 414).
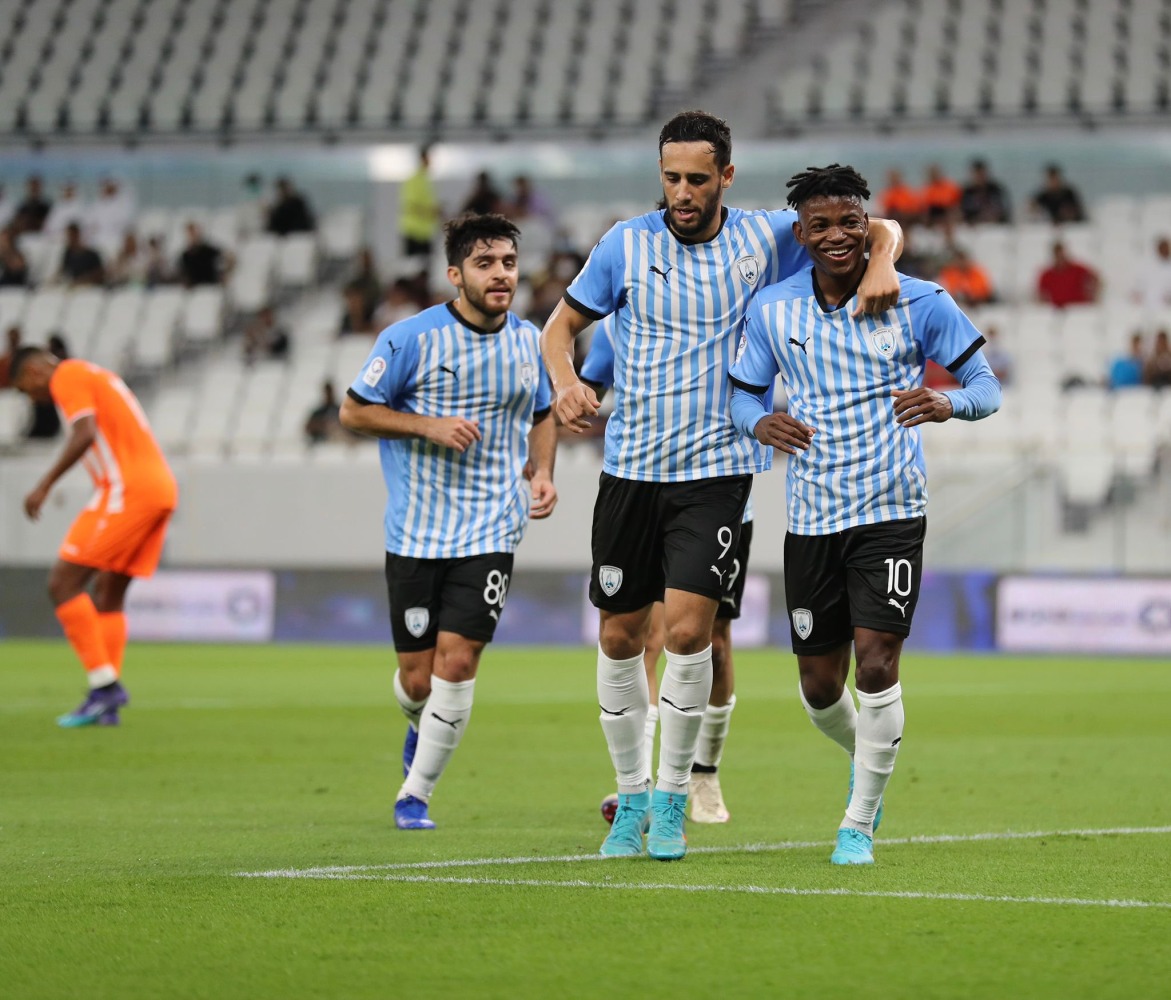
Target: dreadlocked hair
(826, 182)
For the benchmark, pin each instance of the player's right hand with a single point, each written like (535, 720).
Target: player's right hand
(35, 501)
(574, 406)
(455, 432)
(780, 431)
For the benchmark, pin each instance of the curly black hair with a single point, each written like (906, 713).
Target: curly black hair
(832, 181)
(461, 234)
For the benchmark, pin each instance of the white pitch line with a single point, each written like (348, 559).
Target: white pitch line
(331, 871)
(756, 890)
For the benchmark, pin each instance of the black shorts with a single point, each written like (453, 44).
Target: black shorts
(649, 537)
(733, 593)
(465, 596)
(864, 577)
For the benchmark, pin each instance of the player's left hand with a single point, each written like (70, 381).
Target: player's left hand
(879, 290)
(921, 406)
(544, 497)
(35, 501)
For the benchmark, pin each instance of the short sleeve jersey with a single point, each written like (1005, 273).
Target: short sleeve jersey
(680, 308)
(125, 461)
(862, 467)
(443, 503)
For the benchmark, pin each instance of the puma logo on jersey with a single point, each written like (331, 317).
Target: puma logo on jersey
(662, 274)
(902, 607)
(801, 344)
(453, 372)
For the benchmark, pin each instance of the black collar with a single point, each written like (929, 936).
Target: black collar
(691, 243)
(845, 298)
(472, 326)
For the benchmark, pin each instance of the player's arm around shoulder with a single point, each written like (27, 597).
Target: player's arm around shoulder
(372, 404)
(880, 287)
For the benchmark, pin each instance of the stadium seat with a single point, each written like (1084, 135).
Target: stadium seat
(203, 315)
(296, 263)
(341, 232)
(14, 417)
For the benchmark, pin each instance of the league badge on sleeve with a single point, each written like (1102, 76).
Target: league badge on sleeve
(884, 340)
(417, 620)
(374, 372)
(610, 579)
(749, 268)
(803, 622)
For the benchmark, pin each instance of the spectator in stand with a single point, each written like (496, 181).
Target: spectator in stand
(130, 265)
(1066, 282)
(966, 281)
(1154, 291)
(81, 264)
(13, 266)
(1128, 369)
(7, 208)
(323, 424)
(12, 338)
(900, 201)
(984, 199)
(484, 197)
(158, 268)
(32, 212)
(66, 209)
(528, 203)
(999, 360)
(419, 211)
(265, 337)
(202, 263)
(58, 348)
(1057, 200)
(355, 319)
(110, 216)
(290, 212)
(399, 304)
(252, 212)
(940, 197)
(1158, 366)
(367, 282)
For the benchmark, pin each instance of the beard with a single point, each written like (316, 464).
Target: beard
(479, 300)
(702, 220)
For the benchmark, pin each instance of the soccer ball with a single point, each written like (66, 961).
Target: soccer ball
(610, 807)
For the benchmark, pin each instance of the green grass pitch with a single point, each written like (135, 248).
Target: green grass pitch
(122, 848)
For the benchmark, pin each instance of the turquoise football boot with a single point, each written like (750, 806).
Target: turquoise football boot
(854, 848)
(630, 822)
(666, 840)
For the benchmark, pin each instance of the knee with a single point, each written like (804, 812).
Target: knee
(687, 637)
(416, 685)
(877, 668)
(821, 691)
(61, 589)
(619, 640)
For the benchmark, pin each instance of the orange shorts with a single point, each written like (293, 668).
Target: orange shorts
(128, 542)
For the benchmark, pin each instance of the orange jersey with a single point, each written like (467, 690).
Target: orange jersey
(125, 461)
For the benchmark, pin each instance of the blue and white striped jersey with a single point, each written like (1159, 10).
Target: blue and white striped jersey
(861, 467)
(680, 308)
(443, 504)
(598, 369)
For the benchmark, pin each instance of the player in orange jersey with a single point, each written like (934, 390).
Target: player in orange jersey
(119, 535)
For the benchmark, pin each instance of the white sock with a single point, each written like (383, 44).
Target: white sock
(440, 729)
(652, 723)
(624, 698)
(839, 722)
(880, 730)
(411, 709)
(683, 695)
(713, 732)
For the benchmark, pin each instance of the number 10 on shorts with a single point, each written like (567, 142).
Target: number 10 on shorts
(898, 576)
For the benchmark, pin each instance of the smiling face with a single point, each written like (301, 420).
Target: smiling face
(487, 277)
(833, 229)
(693, 188)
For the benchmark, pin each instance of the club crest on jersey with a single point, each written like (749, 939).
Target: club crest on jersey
(417, 620)
(374, 372)
(528, 375)
(803, 622)
(610, 579)
(884, 340)
(749, 268)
